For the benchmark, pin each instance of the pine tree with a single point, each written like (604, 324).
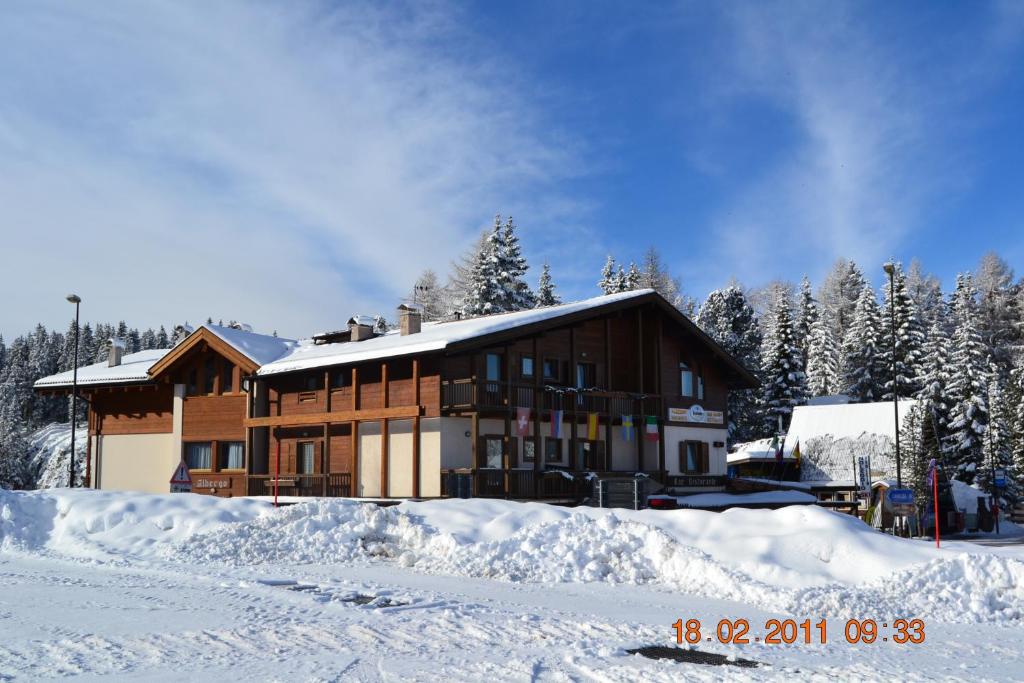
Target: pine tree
(654, 275)
(967, 390)
(933, 395)
(3, 355)
(728, 319)
(863, 361)
(839, 294)
(806, 317)
(823, 359)
(784, 380)
(513, 267)
(483, 293)
(909, 340)
(926, 292)
(86, 345)
(999, 313)
(996, 453)
(620, 280)
(634, 279)
(546, 289)
(148, 340)
(1015, 408)
(609, 283)
(162, 340)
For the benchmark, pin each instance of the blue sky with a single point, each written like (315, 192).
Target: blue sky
(292, 164)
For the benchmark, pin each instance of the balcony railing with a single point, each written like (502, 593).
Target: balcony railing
(468, 394)
(335, 485)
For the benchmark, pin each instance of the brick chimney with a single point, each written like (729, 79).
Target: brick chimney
(116, 351)
(360, 327)
(410, 318)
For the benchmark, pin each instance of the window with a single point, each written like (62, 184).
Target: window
(494, 367)
(232, 455)
(227, 378)
(311, 382)
(552, 450)
(526, 366)
(700, 386)
(685, 380)
(197, 455)
(693, 457)
(192, 382)
(529, 449)
(209, 374)
(493, 452)
(338, 379)
(551, 369)
(586, 375)
(304, 457)
(591, 454)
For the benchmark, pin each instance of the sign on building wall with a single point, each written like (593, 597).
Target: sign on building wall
(696, 413)
(181, 480)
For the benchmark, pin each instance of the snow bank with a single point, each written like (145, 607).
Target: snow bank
(799, 560)
(50, 459)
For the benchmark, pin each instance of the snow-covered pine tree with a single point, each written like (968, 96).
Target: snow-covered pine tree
(909, 340)
(933, 395)
(654, 275)
(513, 268)
(999, 313)
(728, 319)
(917, 450)
(16, 387)
(1015, 404)
(863, 361)
(839, 293)
(620, 280)
(484, 295)
(429, 295)
(609, 282)
(996, 446)
(633, 279)
(42, 361)
(925, 291)
(806, 316)
(148, 340)
(967, 390)
(785, 384)
(546, 289)
(162, 340)
(3, 355)
(823, 359)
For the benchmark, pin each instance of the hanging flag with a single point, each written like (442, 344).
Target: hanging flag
(931, 472)
(627, 427)
(522, 421)
(592, 426)
(651, 428)
(796, 453)
(556, 424)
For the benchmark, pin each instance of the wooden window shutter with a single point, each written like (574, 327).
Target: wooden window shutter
(705, 458)
(682, 456)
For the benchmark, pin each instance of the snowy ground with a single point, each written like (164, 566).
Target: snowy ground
(188, 587)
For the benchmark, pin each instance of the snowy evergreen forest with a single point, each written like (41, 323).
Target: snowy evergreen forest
(961, 353)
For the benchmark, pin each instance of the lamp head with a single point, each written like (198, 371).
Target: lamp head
(74, 298)
(889, 267)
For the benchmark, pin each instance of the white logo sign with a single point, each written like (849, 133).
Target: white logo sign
(696, 414)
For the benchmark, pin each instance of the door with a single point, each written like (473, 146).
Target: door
(494, 373)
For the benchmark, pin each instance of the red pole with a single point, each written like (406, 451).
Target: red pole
(277, 468)
(935, 497)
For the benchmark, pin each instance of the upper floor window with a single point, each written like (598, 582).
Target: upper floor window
(227, 378)
(192, 382)
(338, 379)
(526, 366)
(311, 383)
(552, 369)
(494, 367)
(209, 375)
(685, 380)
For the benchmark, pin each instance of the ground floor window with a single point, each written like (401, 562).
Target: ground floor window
(232, 455)
(529, 449)
(552, 450)
(591, 454)
(304, 460)
(693, 457)
(198, 455)
(494, 452)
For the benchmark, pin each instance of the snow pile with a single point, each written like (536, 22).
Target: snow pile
(106, 524)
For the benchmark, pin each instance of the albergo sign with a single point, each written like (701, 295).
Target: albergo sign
(696, 413)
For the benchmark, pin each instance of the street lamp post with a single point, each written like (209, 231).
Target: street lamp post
(76, 300)
(890, 269)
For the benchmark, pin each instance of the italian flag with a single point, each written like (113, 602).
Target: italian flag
(651, 428)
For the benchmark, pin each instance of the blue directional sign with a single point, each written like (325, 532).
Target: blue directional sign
(901, 496)
(1000, 478)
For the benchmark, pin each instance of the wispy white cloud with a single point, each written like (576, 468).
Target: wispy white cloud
(877, 121)
(283, 164)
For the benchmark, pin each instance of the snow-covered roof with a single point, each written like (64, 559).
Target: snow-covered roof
(761, 449)
(432, 336)
(134, 367)
(844, 420)
(261, 348)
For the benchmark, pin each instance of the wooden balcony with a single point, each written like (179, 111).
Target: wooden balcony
(336, 485)
(468, 395)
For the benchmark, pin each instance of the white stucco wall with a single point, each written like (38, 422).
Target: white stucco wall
(456, 447)
(430, 456)
(135, 462)
(400, 458)
(716, 456)
(368, 479)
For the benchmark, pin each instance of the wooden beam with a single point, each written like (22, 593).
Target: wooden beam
(416, 429)
(384, 385)
(327, 390)
(474, 435)
(506, 463)
(355, 456)
(384, 458)
(608, 429)
(538, 446)
(397, 412)
(573, 460)
(325, 467)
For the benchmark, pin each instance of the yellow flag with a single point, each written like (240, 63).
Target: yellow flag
(592, 426)
(796, 454)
